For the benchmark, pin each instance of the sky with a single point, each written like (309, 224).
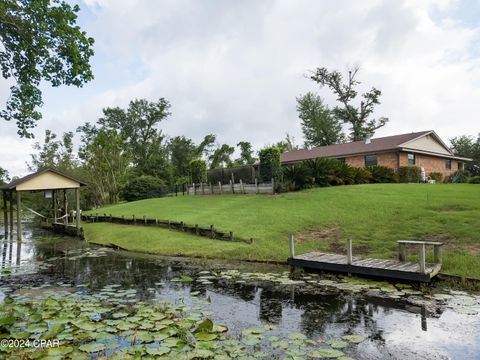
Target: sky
(234, 68)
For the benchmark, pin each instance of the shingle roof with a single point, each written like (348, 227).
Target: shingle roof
(351, 148)
(14, 183)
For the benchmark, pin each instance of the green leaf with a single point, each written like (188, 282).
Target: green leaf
(53, 331)
(204, 326)
(161, 350)
(356, 339)
(92, 347)
(202, 336)
(325, 353)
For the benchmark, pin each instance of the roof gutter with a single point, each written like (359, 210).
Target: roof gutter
(446, 156)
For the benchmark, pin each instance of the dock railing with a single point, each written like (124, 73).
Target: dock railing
(437, 251)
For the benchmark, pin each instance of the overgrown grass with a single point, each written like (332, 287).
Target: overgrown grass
(374, 216)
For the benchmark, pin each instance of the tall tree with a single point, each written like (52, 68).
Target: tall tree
(4, 177)
(106, 158)
(358, 116)
(288, 144)
(468, 146)
(246, 153)
(53, 153)
(221, 157)
(40, 41)
(182, 152)
(319, 126)
(138, 125)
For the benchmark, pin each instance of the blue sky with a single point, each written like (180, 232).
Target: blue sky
(234, 68)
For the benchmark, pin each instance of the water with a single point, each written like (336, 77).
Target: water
(393, 328)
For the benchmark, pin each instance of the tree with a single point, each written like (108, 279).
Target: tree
(198, 171)
(469, 147)
(358, 116)
(54, 153)
(288, 144)
(221, 157)
(106, 161)
(4, 177)
(246, 153)
(182, 152)
(270, 166)
(138, 126)
(319, 126)
(40, 42)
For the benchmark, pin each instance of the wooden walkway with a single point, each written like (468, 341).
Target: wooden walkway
(393, 269)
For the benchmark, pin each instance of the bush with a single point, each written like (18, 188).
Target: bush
(408, 174)
(198, 171)
(362, 175)
(474, 180)
(344, 174)
(460, 176)
(382, 174)
(438, 177)
(297, 176)
(270, 163)
(144, 187)
(322, 170)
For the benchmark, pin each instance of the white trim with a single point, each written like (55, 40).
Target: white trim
(437, 138)
(446, 156)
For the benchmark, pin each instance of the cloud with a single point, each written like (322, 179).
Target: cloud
(235, 68)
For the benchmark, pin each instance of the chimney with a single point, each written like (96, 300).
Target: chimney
(368, 139)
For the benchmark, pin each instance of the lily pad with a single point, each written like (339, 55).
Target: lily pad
(326, 353)
(356, 339)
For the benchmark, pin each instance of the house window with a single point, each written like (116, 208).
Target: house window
(370, 160)
(448, 164)
(341, 160)
(411, 159)
(460, 165)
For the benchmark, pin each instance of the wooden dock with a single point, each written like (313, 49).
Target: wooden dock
(391, 269)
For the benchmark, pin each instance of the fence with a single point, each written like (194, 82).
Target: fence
(209, 232)
(231, 188)
(246, 173)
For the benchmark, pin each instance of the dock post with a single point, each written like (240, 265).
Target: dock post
(422, 258)
(5, 213)
(437, 254)
(19, 216)
(402, 252)
(292, 246)
(349, 252)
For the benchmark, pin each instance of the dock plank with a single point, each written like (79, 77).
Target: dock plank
(386, 268)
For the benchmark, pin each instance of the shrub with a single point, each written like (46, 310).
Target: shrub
(144, 187)
(438, 177)
(408, 174)
(198, 171)
(474, 180)
(344, 174)
(270, 163)
(322, 170)
(460, 176)
(382, 174)
(297, 175)
(362, 175)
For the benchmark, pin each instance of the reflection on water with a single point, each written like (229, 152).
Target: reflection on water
(392, 332)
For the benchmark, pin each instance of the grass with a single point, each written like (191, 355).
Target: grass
(374, 216)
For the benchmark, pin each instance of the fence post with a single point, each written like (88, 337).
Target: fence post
(197, 232)
(144, 219)
(422, 258)
(134, 219)
(292, 246)
(231, 235)
(437, 254)
(241, 187)
(211, 189)
(181, 226)
(256, 185)
(349, 252)
(212, 232)
(402, 252)
(273, 186)
(203, 190)
(194, 191)
(232, 185)
(220, 186)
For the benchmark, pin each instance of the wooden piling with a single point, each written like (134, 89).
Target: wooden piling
(422, 258)
(437, 254)
(256, 186)
(292, 246)
(19, 215)
(220, 186)
(241, 187)
(5, 213)
(349, 252)
(212, 232)
(402, 252)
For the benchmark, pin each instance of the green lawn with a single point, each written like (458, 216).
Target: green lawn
(374, 216)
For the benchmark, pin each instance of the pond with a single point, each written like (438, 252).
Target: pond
(121, 304)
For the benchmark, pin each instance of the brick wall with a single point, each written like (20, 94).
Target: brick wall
(388, 159)
(391, 159)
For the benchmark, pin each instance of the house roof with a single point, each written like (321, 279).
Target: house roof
(13, 185)
(381, 144)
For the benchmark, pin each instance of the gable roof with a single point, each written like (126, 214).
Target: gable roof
(395, 142)
(13, 185)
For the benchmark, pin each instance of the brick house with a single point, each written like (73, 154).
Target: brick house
(424, 149)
